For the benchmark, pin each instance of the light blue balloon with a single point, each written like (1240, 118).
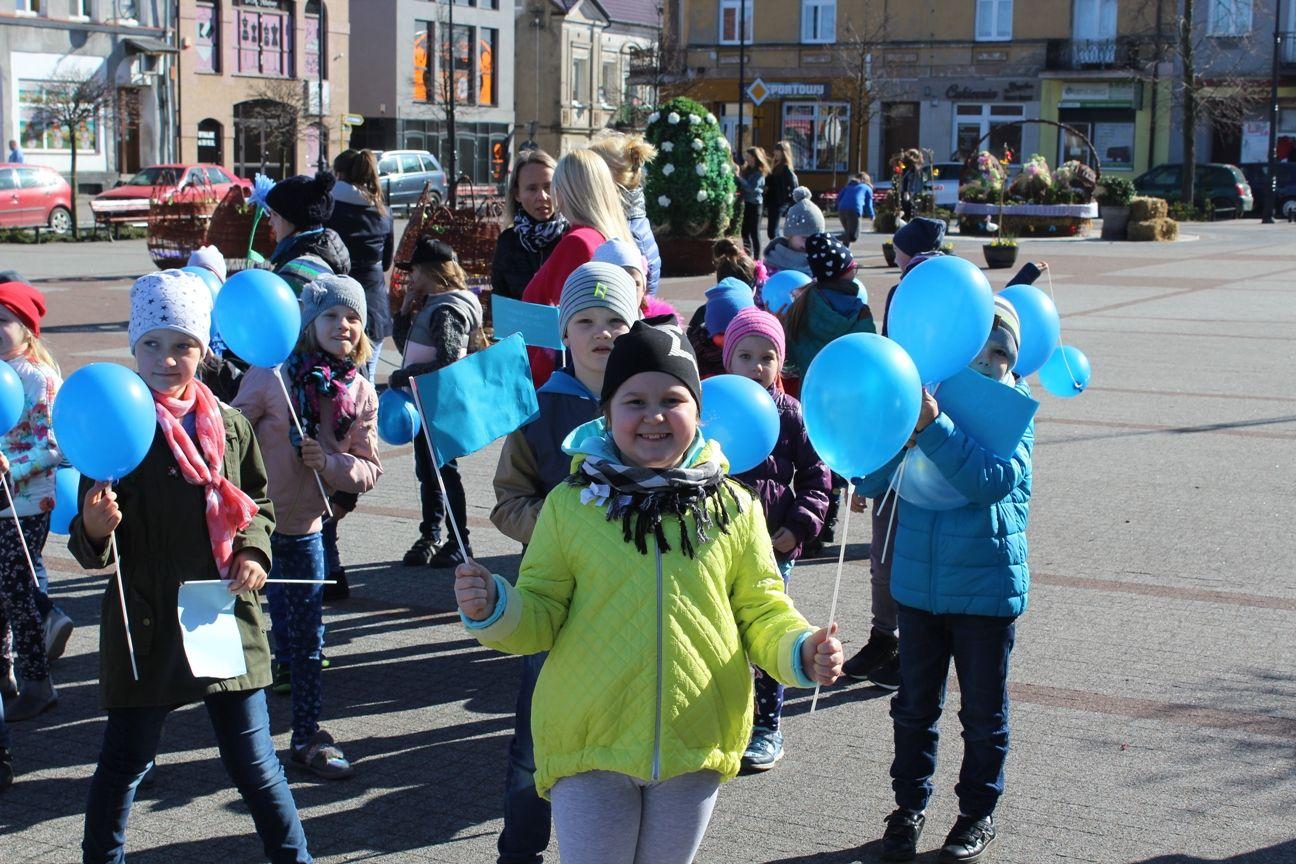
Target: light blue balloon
(398, 418)
(778, 289)
(1066, 374)
(741, 416)
(104, 420)
(860, 398)
(941, 314)
(210, 279)
(258, 316)
(1040, 328)
(923, 485)
(12, 398)
(67, 485)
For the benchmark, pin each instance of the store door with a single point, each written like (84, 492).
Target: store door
(211, 142)
(128, 137)
(900, 129)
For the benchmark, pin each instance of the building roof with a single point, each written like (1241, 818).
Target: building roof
(643, 12)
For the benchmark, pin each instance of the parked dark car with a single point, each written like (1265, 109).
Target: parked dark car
(1257, 174)
(1224, 186)
(404, 173)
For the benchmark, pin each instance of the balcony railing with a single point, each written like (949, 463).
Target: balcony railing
(1121, 52)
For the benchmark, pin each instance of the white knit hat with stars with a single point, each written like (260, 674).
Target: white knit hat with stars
(170, 300)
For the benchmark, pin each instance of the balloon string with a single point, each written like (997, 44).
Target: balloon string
(297, 425)
(897, 478)
(841, 562)
(121, 597)
(1075, 382)
(22, 538)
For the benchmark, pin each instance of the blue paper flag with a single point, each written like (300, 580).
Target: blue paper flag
(473, 401)
(537, 322)
(991, 414)
(209, 630)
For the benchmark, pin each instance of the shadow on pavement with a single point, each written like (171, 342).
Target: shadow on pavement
(1281, 853)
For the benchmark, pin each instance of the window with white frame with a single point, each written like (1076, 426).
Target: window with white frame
(973, 122)
(83, 9)
(994, 20)
(734, 14)
(580, 70)
(29, 7)
(36, 131)
(609, 86)
(819, 133)
(818, 21)
(1230, 17)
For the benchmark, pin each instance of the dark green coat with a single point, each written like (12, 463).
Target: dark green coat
(163, 542)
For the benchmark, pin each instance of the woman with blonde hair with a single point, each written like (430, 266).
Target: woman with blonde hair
(751, 186)
(536, 227)
(778, 187)
(586, 195)
(626, 156)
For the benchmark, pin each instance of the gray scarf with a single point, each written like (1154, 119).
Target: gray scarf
(632, 201)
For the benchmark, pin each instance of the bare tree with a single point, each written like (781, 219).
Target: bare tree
(73, 102)
(857, 48)
(281, 108)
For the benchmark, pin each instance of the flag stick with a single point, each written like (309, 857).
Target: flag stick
(121, 596)
(297, 424)
(841, 562)
(436, 469)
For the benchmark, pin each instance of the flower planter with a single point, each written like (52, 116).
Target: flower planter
(999, 257)
(686, 256)
(888, 252)
(1114, 222)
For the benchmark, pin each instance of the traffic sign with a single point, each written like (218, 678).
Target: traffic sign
(758, 92)
(353, 119)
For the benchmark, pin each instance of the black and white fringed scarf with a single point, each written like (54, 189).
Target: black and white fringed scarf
(641, 497)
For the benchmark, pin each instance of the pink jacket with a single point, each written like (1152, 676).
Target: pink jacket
(351, 465)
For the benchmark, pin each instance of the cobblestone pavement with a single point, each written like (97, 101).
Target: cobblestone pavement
(1154, 697)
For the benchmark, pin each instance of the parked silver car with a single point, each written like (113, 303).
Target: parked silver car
(404, 173)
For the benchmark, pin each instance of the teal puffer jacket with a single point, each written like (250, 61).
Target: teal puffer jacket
(970, 560)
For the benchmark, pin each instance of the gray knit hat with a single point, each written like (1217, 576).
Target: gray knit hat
(598, 284)
(170, 300)
(328, 291)
(803, 218)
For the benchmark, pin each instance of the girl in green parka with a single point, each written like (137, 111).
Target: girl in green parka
(651, 580)
(195, 509)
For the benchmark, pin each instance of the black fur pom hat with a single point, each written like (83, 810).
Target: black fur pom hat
(304, 201)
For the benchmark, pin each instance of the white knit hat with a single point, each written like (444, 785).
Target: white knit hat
(211, 258)
(170, 300)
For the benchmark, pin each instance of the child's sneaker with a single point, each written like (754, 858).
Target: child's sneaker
(449, 556)
(420, 554)
(764, 750)
(6, 769)
(58, 629)
(882, 648)
(900, 840)
(322, 757)
(886, 676)
(968, 840)
(280, 678)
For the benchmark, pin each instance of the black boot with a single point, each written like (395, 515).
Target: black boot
(900, 841)
(6, 769)
(420, 554)
(968, 840)
(882, 648)
(828, 534)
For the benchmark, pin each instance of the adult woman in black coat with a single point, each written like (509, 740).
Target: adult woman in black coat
(536, 227)
(365, 226)
(778, 187)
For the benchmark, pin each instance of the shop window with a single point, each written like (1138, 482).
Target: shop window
(36, 132)
(487, 77)
(211, 137)
(819, 133)
(424, 39)
(1230, 17)
(972, 122)
(1110, 130)
(994, 20)
(316, 39)
(732, 18)
(207, 36)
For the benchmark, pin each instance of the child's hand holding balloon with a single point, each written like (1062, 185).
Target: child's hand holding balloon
(100, 514)
(928, 411)
(475, 590)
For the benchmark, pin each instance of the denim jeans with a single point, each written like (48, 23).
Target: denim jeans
(242, 727)
(768, 691)
(526, 815)
(297, 624)
(980, 646)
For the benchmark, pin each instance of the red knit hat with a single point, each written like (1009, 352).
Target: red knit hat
(25, 302)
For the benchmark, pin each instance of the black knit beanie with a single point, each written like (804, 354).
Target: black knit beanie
(304, 201)
(651, 348)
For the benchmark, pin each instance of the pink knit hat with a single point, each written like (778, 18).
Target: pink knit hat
(752, 320)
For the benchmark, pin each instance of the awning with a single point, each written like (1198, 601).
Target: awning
(144, 45)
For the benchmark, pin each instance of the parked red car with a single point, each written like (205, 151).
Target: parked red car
(33, 195)
(131, 198)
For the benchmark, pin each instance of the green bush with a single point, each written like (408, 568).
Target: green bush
(690, 187)
(1115, 192)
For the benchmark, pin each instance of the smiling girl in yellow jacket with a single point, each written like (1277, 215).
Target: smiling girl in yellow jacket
(650, 559)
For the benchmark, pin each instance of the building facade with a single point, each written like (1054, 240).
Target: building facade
(124, 43)
(417, 62)
(264, 85)
(850, 83)
(575, 60)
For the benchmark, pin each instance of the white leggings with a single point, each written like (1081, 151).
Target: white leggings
(607, 818)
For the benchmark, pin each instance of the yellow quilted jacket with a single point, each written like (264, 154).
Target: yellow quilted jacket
(648, 672)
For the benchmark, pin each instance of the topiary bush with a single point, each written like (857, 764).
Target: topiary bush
(1115, 191)
(690, 187)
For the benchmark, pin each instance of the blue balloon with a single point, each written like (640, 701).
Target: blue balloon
(860, 398)
(778, 289)
(923, 485)
(210, 279)
(258, 317)
(1066, 374)
(67, 485)
(941, 314)
(1040, 328)
(104, 420)
(398, 418)
(12, 398)
(741, 416)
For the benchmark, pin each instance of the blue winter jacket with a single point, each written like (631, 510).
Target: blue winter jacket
(856, 198)
(970, 560)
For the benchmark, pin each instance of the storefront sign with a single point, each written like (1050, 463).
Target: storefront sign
(1014, 91)
(206, 137)
(1081, 94)
(799, 89)
(1255, 141)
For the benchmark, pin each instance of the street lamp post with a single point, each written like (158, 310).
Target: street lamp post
(1271, 192)
(742, 74)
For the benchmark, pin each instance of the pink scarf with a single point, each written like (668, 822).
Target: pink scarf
(229, 509)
